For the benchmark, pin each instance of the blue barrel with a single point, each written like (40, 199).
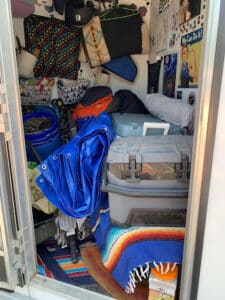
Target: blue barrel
(42, 141)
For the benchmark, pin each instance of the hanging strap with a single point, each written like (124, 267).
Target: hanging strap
(18, 44)
(118, 12)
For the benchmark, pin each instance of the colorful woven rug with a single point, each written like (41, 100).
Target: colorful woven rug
(56, 262)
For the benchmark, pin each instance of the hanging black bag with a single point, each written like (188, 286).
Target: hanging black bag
(77, 14)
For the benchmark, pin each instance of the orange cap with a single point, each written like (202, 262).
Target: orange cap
(171, 275)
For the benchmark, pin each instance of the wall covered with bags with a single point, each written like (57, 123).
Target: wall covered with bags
(172, 31)
(135, 64)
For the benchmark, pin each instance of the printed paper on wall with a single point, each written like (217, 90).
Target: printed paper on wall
(189, 9)
(190, 54)
(169, 74)
(163, 4)
(162, 33)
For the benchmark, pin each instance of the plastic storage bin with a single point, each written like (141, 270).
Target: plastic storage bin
(127, 124)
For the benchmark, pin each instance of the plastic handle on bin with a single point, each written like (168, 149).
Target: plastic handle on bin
(152, 125)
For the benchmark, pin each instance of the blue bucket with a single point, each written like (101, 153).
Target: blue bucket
(44, 141)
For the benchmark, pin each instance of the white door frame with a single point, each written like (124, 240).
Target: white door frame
(17, 232)
(209, 97)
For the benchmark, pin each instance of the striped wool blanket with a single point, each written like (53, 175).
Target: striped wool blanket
(128, 253)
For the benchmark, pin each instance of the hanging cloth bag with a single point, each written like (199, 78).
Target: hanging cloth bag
(25, 61)
(59, 46)
(123, 67)
(77, 14)
(118, 31)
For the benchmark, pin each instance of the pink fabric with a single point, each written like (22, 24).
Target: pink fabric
(21, 9)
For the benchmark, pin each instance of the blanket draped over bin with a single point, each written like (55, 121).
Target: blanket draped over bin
(129, 252)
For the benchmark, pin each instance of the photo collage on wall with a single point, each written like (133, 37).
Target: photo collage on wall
(181, 60)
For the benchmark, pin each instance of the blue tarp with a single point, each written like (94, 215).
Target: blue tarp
(71, 176)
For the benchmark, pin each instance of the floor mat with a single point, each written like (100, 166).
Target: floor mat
(56, 262)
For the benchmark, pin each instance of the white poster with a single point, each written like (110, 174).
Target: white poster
(162, 33)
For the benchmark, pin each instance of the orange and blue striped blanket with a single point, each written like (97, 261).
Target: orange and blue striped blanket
(128, 253)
